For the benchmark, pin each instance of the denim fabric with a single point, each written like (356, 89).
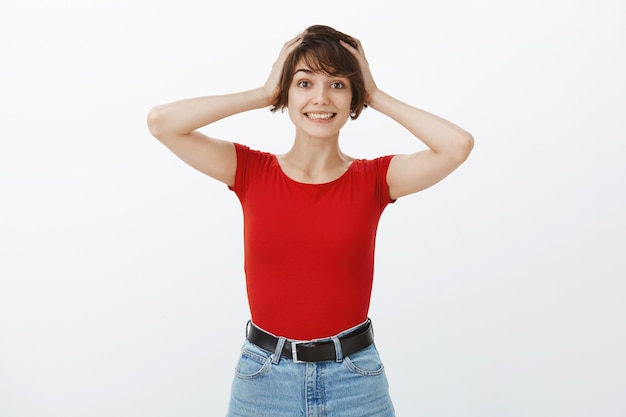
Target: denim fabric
(266, 385)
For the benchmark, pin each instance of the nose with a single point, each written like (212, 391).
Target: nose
(320, 95)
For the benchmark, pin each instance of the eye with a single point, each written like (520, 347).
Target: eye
(338, 84)
(304, 84)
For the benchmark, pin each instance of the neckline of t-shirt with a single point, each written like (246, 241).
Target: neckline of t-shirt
(308, 184)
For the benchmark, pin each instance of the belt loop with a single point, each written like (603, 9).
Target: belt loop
(338, 351)
(279, 350)
(248, 324)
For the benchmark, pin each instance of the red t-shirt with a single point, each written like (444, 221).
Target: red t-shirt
(309, 248)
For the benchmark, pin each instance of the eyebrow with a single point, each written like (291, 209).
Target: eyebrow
(305, 70)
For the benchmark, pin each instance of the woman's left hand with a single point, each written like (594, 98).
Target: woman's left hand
(370, 86)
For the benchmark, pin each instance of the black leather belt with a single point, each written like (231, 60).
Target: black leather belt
(312, 351)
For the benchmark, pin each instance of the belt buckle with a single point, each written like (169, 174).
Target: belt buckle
(294, 349)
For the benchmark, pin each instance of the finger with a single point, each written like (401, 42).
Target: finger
(359, 47)
(291, 44)
(358, 53)
(349, 47)
(294, 41)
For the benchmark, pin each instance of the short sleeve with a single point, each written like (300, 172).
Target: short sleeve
(242, 162)
(382, 187)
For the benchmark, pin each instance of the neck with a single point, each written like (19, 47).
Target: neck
(314, 160)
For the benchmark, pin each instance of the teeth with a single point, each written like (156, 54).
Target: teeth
(324, 116)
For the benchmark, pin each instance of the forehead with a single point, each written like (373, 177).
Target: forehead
(310, 62)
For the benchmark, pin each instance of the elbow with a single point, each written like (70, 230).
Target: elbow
(465, 144)
(156, 121)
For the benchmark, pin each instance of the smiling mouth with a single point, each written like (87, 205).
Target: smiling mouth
(320, 116)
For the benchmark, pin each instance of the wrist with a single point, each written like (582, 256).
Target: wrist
(267, 96)
(374, 98)
(260, 97)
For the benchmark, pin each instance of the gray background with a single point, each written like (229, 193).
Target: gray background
(121, 282)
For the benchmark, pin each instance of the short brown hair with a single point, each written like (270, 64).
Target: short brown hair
(321, 51)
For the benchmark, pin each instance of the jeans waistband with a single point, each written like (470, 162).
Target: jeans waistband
(314, 351)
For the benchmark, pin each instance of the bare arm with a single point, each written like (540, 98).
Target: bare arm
(175, 124)
(448, 145)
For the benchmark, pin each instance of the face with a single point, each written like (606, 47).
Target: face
(318, 104)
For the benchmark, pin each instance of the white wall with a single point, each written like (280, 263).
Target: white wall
(121, 285)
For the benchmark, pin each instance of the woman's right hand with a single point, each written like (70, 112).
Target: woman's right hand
(272, 85)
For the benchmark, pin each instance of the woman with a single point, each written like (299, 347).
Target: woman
(310, 219)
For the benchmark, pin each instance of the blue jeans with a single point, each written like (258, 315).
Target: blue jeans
(266, 385)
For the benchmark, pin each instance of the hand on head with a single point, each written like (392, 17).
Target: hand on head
(272, 85)
(368, 79)
(322, 49)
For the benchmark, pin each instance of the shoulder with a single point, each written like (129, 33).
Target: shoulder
(252, 164)
(245, 153)
(377, 164)
(372, 174)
